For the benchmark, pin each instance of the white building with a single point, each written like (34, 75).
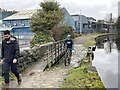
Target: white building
(119, 8)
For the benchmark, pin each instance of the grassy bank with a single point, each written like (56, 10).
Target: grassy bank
(83, 77)
(91, 41)
(86, 75)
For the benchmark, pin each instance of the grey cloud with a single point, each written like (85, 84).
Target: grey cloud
(98, 9)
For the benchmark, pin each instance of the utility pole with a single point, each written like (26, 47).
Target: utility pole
(110, 21)
(80, 21)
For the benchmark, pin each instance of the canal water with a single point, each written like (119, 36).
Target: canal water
(106, 58)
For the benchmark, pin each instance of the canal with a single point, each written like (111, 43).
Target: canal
(106, 58)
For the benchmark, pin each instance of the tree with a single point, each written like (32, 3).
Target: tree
(61, 31)
(46, 18)
(118, 24)
(65, 30)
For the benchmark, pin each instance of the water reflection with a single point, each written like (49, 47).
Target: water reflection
(106, 60)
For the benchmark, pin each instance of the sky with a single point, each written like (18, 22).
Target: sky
(99, 9)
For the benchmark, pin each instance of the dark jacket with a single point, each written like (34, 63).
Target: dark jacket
(10, 50)
(69, 43)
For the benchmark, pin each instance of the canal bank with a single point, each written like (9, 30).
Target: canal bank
(106, 59)
(86, 75)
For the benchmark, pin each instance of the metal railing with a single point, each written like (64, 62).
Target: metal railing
(49, 54)
(23, 38)
(55, 52)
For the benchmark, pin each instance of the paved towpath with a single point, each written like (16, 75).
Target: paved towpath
(34, 77)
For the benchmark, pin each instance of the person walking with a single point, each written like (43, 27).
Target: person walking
(10, 54)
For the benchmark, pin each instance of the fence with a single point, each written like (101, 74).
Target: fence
(48, 54)
(23, 38)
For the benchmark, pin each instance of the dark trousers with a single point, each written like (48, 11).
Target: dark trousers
(7, 66)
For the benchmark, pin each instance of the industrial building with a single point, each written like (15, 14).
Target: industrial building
(119, 8)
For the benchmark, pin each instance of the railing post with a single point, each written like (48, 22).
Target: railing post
(55, 52)
(58, 50)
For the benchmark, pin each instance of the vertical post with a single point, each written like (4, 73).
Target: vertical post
(18, 36)
(58, 50)
(55, 52)
(48, 63)
(96, 26)
(80, 21)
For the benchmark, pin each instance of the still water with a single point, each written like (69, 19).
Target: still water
(106, 60)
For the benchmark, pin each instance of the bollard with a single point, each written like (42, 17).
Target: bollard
(90, 53)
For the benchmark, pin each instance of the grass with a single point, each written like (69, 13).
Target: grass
(82, 77)
(91, 42)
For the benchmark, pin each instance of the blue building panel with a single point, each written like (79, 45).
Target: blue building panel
(68, 19)
(80, 19)
(16, 23)
(21, 30)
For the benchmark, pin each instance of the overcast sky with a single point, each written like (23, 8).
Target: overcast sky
(94, 8)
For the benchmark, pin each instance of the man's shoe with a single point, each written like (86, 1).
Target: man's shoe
(19, 81)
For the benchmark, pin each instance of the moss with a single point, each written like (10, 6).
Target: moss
(89, 43)
(81, 78)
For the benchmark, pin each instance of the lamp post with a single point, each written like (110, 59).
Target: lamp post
(80, 21)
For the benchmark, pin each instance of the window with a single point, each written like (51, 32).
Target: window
(9, 22)
(23, 24)
(20, 21)
(15, 24)
(28, 21)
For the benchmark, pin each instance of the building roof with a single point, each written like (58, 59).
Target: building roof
(3, 29)
(91, 18)
(26, 14)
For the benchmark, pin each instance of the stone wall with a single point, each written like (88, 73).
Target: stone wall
(28, 57)
(51, 53)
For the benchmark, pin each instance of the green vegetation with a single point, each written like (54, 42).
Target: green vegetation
(61, 31)
(65, 30)
(86, 75)
(89, 43)
(40, 38)
(44, 20)
(83, 77)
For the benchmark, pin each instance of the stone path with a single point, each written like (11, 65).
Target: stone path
(34, 77)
